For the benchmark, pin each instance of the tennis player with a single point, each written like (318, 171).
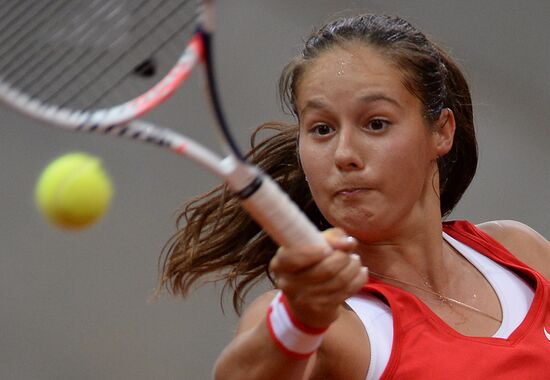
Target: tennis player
(383, 149)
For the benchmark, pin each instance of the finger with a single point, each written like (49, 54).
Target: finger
(338, 239)
(358, 281)
(329, 268)
(327, 296)
(341, 280)
(321, 274)
(290, 260)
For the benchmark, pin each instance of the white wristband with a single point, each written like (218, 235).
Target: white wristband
(290, 335)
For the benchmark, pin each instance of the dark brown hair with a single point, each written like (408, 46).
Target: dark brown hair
(218, 237)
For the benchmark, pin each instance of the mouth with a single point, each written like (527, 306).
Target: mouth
(350, 191)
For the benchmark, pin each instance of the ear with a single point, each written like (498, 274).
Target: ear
(443, 132)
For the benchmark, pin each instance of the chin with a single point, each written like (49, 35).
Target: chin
(366, 227)
(355, 224)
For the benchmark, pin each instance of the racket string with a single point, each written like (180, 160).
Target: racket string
(15, 39)
(93, 66)
(48, 40)
(92, 74)
(159, 45)
(96, 68)
(16, 16)
(8, 14)
(52, 75)
(148, 44)
(45, 56)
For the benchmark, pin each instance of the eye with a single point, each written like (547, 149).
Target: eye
(321, 129)
(377, 125)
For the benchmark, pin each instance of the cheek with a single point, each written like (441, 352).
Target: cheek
(409, 165)
(314, 162)
(309, 158)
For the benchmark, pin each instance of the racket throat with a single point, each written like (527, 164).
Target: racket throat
(214, 95)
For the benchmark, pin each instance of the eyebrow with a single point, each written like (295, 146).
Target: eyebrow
(368, 98)
(376, 97)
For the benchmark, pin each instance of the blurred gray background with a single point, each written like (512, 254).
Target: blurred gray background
(76, 305)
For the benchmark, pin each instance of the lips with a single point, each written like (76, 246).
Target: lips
(349, 191)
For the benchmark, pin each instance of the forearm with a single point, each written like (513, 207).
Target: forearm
(254, 355)
(282, 332)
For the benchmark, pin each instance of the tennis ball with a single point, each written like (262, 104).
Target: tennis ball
(73, 190)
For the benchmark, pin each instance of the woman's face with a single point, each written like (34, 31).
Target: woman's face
(366, 149)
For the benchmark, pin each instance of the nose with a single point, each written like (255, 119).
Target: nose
(348, 155)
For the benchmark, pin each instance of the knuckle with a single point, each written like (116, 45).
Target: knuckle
(354, 265)
(334, 267)
(341, 282)
(338, 257)
(329, 272)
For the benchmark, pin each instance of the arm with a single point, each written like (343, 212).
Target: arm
(253, 355)
(523, 242)
(315, 283)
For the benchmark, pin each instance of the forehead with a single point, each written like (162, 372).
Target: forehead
(352, 68)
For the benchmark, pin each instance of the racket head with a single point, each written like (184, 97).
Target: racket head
(88, 64)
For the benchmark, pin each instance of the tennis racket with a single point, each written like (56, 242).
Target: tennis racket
(93, 65)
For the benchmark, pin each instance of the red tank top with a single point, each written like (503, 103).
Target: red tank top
(425, 347)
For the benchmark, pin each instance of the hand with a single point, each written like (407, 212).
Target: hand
(317, 280)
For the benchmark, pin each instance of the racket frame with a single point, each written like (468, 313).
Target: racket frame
(260, 195)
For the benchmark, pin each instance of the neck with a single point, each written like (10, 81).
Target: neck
(415, 254)
(413, 248)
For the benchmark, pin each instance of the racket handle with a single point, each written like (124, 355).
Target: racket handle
(280, 217)
(270, 206)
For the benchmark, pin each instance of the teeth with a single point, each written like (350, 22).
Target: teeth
(349, 191)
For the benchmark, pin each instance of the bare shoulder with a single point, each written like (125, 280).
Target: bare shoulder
(522, 241)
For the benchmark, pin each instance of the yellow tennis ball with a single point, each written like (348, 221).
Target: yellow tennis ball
(74, 190)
